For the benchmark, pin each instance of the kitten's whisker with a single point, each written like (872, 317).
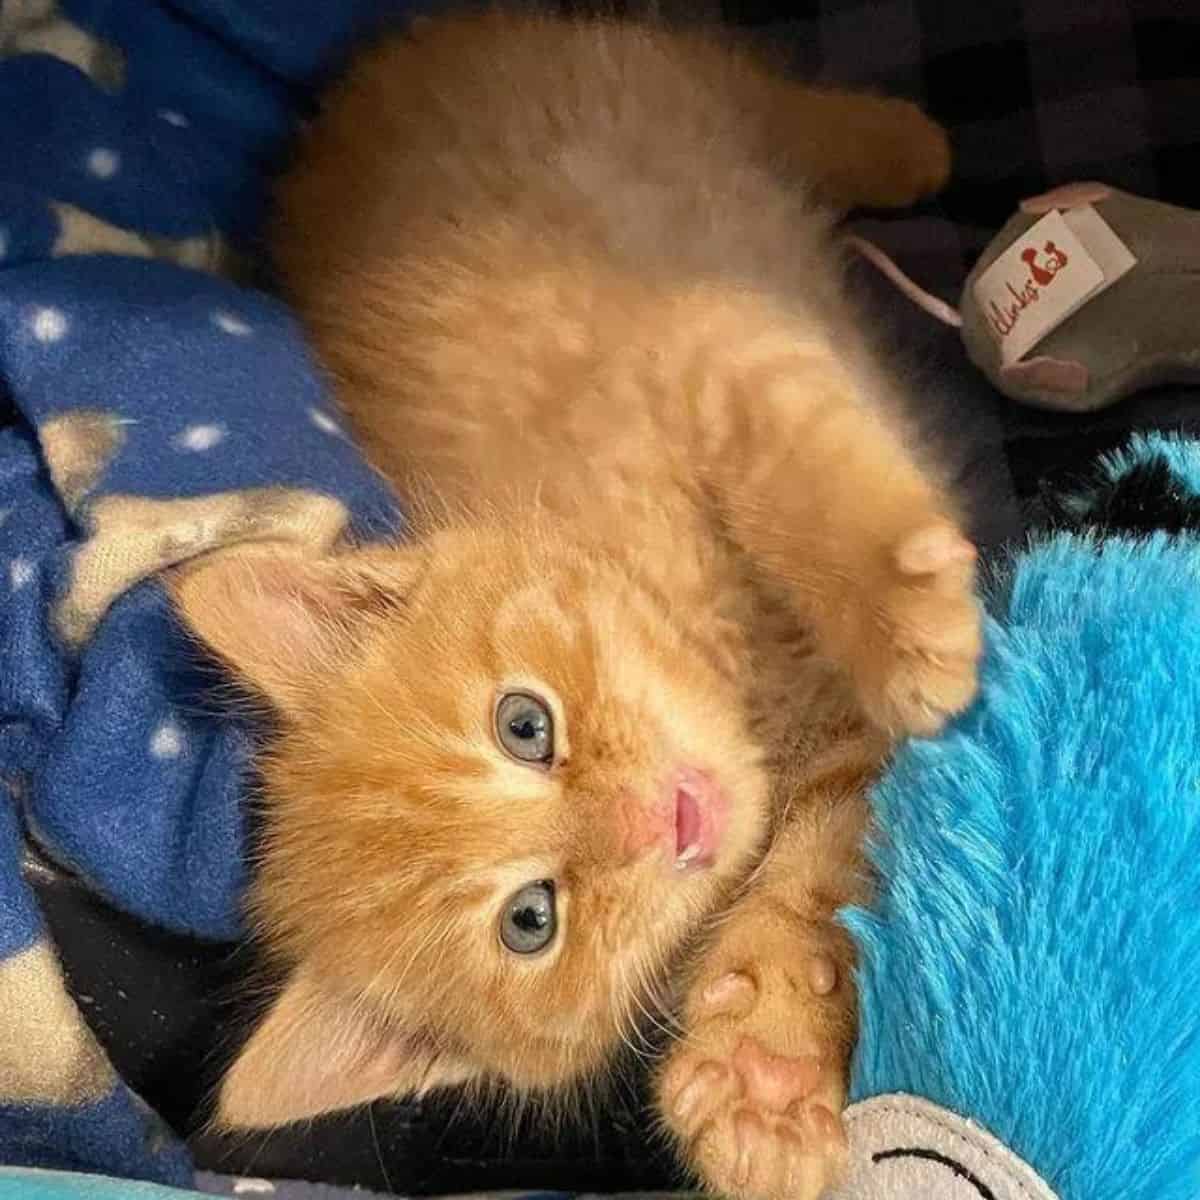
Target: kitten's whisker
(640, 1054)
(436, 931)
(644, 992)
(378, 1151)
(644, 988)
(657, 975)
(673, 1026)
(432, 936)
(628, 994)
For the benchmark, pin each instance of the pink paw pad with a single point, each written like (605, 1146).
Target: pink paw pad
(772, 1081)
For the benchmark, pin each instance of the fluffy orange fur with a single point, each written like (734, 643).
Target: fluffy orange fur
(576, 284)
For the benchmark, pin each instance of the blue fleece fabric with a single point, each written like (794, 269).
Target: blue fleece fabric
(194, 99)
(1034, 962)
(161, 412)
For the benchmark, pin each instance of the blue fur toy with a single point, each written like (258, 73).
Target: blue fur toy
(1031, 976)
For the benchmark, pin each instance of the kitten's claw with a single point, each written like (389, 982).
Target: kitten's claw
(752, 1091)
(933, 549)
(918, 662)
(731, 995)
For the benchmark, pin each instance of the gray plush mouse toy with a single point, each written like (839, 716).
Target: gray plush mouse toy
(1086, 295)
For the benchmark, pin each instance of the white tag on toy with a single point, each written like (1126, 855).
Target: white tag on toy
(1047, 274)
(1108, 252)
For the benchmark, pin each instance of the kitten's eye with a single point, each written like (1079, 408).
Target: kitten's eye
(530, 922)
(525, 728)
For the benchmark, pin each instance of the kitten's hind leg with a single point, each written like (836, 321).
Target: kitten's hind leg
(854, 149)
(753, 1093)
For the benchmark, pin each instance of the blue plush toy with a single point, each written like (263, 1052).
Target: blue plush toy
(1031, 978)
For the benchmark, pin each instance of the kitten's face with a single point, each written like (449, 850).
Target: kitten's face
(497, 808)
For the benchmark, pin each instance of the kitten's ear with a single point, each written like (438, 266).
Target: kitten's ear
(316, 1052)
(274, 616)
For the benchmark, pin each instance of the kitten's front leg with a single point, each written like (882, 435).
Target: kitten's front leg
(753, 1093)
(913, 645)
(825, 497)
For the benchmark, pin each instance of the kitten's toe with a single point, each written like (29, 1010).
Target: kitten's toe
(777, 1158)
(693, 1091)
(918, 663)
(809, 1151)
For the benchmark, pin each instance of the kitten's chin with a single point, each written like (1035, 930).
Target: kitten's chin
(549, 1066)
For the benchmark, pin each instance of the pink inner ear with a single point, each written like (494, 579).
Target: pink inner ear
(286, 580)
(1069, 195)
(1051, 374)
(288, 602)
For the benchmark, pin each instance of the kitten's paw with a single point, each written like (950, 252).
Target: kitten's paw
(754, 1093)
(918, 663)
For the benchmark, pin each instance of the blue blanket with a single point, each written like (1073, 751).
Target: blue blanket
(160, 412)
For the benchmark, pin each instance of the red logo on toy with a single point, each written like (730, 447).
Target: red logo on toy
(1004, 318)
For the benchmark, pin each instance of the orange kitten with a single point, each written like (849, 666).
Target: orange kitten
(577, 281)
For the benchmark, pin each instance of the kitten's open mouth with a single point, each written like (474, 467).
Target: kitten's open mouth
(700, 812)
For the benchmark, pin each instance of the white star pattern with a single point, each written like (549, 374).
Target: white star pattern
(228, 323)
(167, 740)
(103, 162)
(324, 422)
(48, 324)
(174, 118)
(20, 573)
(245, 1186)
(199, 438)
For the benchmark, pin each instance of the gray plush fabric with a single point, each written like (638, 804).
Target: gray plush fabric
(1141, 332)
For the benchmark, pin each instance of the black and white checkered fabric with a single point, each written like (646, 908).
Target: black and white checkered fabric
(1034, 92)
